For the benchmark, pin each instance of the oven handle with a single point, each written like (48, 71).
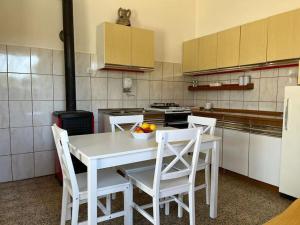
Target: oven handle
(179, 112)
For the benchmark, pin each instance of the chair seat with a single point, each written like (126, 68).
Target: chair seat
(133, 167)
(109, 181)
(144, 180)
(200, 166)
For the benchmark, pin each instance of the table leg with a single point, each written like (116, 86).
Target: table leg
(92, 192)
(214, 180)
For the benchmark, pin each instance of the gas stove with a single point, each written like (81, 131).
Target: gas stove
(169, 108)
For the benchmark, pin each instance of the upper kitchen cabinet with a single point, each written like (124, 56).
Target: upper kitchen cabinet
(207, 52)
(142, 42)
(228, 47)
(253, 45)
(123, 47)
(284, 36)
(190, 56)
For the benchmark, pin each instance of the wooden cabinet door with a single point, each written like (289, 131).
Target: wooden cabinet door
(190, 56)
(142, 43)
(117, 44)
(253, 47)
(207, 52)
(296, 33)
(264, 158)
(228, 48)
(235, 151)
(280, 37)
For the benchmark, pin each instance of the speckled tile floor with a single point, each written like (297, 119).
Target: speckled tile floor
(241, 202)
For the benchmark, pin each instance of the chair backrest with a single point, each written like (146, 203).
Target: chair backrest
(61, 140)
(169, 140)
(116, 121)
(208, 124)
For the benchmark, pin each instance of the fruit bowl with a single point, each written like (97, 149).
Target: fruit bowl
(144, 131)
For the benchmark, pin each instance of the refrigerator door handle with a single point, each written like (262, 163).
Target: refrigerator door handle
(286, 117)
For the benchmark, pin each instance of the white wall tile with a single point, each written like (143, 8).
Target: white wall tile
(59, 89)
(142, 103)
(4, 115)
(267, 106)
(251, 105)
(5, 168)
(282, 83)
(212, 96)
(253, 74)
(269, 73)
(178, 90)
(200, 95)
(279, 107)
(288, 72)
(42, 87)
(22, 166)
(19, 86)
(143, 89)
(44, 163)
(42, 113)
(268, 89)
(41, 61)
(115, 89)
(115, 74)
(132, 75)
(99, 88)
(114, 104)
(82, 64)
(168, 71)
(187, 94)
(5, 142)
(129, 104)
(156, 90)
(58, 62)
(20, 113)
(253, 95)
(84, 105)
(143, 76)
(98, 104)
(157, 73)
(3, 59)
(21, 140)
(178, 72)
(3, 86)
(18, 59)
(236, 105)
(43, 139)
(223, 104)
(167, 90)
(83, 88)
(59, 105)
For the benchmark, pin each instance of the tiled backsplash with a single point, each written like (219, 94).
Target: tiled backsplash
(32, 87)
(268, 92)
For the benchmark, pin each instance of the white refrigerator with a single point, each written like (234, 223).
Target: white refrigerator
(290, 148)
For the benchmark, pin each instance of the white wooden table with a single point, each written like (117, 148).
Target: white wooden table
(103, 150)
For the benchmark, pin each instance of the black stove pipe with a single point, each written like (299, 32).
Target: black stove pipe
(69, 54)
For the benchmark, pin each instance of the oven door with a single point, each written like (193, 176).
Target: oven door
(176, 120)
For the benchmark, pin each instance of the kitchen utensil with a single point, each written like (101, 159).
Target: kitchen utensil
(208, 105)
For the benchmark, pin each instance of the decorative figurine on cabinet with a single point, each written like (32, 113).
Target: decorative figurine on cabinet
(124, 17)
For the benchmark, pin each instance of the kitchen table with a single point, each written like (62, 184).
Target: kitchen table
(103, 150)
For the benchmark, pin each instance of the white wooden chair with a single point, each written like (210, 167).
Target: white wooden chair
(75, 186)
(136, 120)
(163, 182)
(208, 125)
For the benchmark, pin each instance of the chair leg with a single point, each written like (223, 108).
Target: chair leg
(108, 204)
(207, 183)
(180, 209)
(75, 210)
(156, 211)
(64, 206)
(113, 196)
(128, 210)
(192, 206)
(167, 208)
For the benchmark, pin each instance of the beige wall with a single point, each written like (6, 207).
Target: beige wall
(38, 22)
(217, 15)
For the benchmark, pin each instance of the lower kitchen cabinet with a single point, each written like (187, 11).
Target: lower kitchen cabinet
(264, 158)
(235, 151)
(219, 133)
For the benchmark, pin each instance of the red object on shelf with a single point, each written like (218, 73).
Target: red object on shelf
(222, 87)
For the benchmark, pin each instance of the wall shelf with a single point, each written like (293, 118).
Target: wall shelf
(222, 87)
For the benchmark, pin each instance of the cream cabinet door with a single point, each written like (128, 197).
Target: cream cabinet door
(190, 56)
(253, 47)
(117, 44)
(228, 47)
(142, 42)
(280, 37)
(207, 52)
(296, 33)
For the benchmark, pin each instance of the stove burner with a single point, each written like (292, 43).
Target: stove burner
(164, 105)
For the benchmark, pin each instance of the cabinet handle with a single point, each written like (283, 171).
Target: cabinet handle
(286, 117)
